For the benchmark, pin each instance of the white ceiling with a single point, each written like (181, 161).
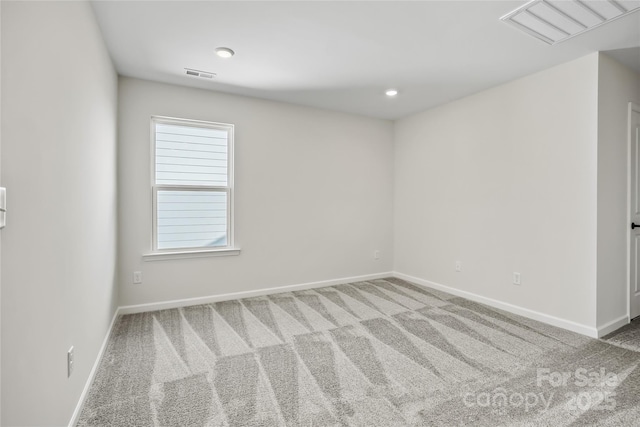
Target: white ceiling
(342, 55)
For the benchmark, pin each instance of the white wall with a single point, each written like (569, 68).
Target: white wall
(313, 194)
(58, 164)
(617, 85)
(505, 180)
(0, 232)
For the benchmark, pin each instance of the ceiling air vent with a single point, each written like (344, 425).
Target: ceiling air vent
(554, 21)
(199, 73)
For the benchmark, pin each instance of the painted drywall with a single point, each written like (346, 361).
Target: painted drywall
(505, 181)
(0, 231)
(313, 194)
(617, 86)
(59, 116)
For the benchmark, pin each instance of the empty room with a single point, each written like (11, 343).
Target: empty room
(320, 213)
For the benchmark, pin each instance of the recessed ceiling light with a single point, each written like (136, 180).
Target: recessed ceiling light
(391, 92)
(224, 52)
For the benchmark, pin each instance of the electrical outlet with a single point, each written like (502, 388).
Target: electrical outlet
(458, 266)
(137, 277)
(70, 362)
(516, 279)
(376, 254)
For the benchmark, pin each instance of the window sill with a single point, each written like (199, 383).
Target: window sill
(160, 256)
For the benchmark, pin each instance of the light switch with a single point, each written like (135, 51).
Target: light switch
(3, 207)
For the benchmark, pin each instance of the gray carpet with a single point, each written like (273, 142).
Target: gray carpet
(626, 337)
(380, 353)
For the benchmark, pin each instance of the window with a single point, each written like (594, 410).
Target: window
(192, 185)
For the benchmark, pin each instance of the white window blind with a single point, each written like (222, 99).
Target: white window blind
(192, 184)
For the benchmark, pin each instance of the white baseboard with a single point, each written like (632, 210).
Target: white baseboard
(92, 374)
(531, 314)
(607, 328)
(141, 308)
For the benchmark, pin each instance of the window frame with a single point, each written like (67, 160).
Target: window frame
(229, 248)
